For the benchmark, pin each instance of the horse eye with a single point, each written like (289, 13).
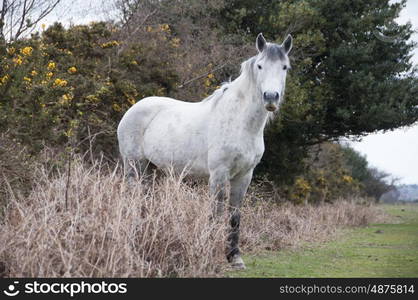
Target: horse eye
(259, 67)
(284, 67)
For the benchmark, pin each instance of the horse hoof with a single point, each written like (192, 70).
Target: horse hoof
(237, 263)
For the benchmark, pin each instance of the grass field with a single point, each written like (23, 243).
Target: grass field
(378, 250)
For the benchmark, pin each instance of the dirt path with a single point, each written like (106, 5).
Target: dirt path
(378, 250)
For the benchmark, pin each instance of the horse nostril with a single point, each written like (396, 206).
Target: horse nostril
(271, 96)
(265, 95)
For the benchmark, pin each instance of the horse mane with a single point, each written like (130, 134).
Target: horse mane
(246, 70)
(217, 94)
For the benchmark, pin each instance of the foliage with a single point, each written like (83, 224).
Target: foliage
(75, 83)
(345, 79)
(327, 176)
(374, 182)
(333, 172)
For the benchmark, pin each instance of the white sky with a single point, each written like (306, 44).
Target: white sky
(396, 152)
(80, 11)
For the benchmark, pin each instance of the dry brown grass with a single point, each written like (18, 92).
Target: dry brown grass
(269, 227)
(107, 229)
(110, 229)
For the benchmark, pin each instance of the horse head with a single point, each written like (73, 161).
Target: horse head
(270, 70)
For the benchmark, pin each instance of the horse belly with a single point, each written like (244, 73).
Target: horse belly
(171, 141)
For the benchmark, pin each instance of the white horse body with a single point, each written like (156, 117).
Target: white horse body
(195, 137)
(220, 137)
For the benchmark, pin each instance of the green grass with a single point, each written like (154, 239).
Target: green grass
(378, 250)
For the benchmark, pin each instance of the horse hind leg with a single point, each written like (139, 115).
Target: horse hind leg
(136, 170)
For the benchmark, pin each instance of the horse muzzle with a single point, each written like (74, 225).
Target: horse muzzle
(271, 107)
(271, 98)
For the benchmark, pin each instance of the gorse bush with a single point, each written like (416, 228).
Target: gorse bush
(335, 171)
(76, 82)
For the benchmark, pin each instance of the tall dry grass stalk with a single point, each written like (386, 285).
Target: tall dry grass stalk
(110, 229)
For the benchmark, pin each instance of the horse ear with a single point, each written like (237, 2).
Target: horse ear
(287, 44)
(260, 42)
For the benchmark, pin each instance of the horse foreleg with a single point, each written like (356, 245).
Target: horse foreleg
(239, 187)
(217, 189)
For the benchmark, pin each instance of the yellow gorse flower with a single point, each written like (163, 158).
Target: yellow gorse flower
(51, 65)
(72, 70)
(27, 79)
(49, 74)
(302, 185)
(27, 51)
(207, 82)
(92, 98)
(116, 107)
(60, 82)
(348, 179)
(175, 42)
(33, 73)
(110, 44)
(66, 98)
(11, 51)
(164, 27)
(4, 79)
(17, 60)
(131, 100)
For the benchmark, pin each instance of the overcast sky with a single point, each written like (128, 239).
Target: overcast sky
(396, 152)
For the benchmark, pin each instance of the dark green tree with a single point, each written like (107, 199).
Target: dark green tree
(351, 73)
(356, 163)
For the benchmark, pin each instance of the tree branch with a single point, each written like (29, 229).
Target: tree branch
(16, 15)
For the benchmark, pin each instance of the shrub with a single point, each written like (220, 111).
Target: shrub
(76, 82)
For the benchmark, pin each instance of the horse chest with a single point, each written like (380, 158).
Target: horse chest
(240, 156)
(248, 155)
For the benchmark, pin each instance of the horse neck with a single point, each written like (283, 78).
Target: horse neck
(244, 106)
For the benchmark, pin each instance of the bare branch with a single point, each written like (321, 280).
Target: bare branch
(19, 17)
(217, 68)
